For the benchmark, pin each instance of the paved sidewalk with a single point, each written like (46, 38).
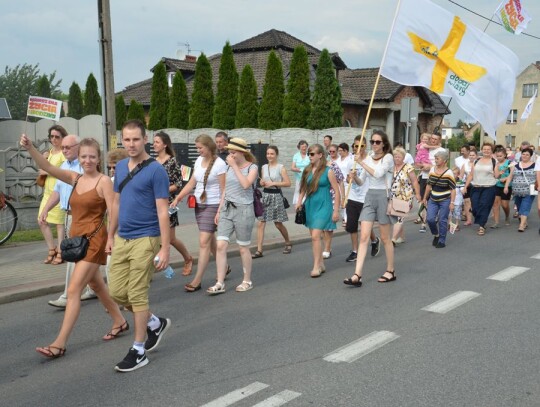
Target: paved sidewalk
(23, 274)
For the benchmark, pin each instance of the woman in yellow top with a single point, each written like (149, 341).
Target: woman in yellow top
(55, 215)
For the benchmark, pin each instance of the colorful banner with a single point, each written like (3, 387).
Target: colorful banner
(435, 49)
(44, 108)
(512, 16)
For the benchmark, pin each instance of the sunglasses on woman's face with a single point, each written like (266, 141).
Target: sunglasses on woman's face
(312, 154)
(377, 142)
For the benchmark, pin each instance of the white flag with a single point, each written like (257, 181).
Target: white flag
(431, 47)
(529, 107)
(512, 16)
(44, 108)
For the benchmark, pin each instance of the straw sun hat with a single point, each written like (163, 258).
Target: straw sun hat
(238, 144)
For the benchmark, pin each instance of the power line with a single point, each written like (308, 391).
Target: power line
(488, 19)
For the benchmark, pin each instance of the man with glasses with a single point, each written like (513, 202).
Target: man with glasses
(355, 201)
(60, 194)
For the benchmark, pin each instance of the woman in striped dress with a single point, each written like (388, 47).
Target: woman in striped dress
(273, 178)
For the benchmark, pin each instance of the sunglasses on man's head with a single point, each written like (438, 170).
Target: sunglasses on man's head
(377, 142)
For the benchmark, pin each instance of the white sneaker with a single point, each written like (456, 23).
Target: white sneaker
(326, 255)
(88, 295)
(59, 303)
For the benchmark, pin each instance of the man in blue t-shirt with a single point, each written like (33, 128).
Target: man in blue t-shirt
(140, 215)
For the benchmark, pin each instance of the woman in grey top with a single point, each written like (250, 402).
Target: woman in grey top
(236, 213)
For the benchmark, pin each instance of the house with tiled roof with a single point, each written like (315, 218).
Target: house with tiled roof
(356, 84)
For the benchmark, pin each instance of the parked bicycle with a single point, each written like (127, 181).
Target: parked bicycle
(8, 217)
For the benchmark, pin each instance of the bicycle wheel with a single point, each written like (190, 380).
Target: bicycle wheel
(8, 222)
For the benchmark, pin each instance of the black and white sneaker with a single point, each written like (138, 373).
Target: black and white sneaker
(132, 361)
(375, 247)
(154, 337)
(351, 258)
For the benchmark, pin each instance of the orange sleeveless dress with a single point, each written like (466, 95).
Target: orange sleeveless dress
(87, 211)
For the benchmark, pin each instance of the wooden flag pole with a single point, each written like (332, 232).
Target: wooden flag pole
(368, 113)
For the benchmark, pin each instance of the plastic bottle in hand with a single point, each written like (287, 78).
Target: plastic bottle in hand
(168, 272)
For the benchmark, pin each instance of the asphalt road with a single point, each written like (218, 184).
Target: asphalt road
(310, 342)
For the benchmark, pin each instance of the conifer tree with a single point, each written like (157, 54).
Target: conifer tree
(296, 105)
(178, 115)
(247, 108)
(202, 98)
(227, 91)
(121, 111)
(326, 109)
(271, 109)
(75, 101)
(92, 100)
(43, 87)
(136, 111)
(159, 103)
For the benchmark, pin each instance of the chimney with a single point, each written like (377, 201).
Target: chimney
(191, 58)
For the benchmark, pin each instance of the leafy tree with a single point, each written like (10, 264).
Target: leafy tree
(92, 100)
(43, 87)
(227, 91)
(178, 115)
(477, 139)
(460, 124)
(271, 109)
(159, 103)
(326, 109)
(456, 142)
(135, 111)
(121, 111)
(296, 106)
(202, 98)
(75, 102)
(247, 107)
(20, 82)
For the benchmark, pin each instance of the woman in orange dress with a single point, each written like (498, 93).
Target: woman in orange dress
(92, 196)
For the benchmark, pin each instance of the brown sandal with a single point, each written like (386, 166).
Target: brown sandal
(47, 351)
(58, 259)
(50, 256)
(119, 329)
(188, 265)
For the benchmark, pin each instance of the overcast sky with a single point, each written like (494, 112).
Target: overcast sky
(62, 36)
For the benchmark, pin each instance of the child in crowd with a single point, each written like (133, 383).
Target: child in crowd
(455, 215)
(422, 150)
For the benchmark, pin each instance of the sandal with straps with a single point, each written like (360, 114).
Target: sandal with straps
(50, 256)
(245, 286)
(58, 259)
(257, 254)
(288, 249)
(383, 279)
(350, 281)
(47, 351)
(119, 329)
(188, 265)
(218, 288)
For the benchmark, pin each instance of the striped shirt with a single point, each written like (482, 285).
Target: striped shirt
(441, 185)
(234, 192)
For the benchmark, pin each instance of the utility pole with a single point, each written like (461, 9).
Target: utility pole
(108, 111)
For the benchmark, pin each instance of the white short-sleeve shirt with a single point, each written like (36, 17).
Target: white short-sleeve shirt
(213, 192)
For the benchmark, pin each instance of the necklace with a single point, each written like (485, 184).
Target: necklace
(376, 159)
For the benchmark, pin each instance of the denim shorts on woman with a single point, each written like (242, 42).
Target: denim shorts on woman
(236, 218)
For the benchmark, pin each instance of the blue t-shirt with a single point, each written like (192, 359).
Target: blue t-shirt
(137, 215)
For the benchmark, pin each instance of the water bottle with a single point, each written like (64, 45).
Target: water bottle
(168, 272)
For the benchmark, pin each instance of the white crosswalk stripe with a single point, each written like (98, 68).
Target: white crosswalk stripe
(236, 395)
(508, 273)
(451, 302)
(361, 347)
(279, 399)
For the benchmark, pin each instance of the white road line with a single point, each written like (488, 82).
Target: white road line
(236, 395)
(451, 302)
(279, 399)
(361, 347)
(536, 256)
(508, 273)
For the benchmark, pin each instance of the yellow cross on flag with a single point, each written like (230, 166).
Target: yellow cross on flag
(435, 49)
